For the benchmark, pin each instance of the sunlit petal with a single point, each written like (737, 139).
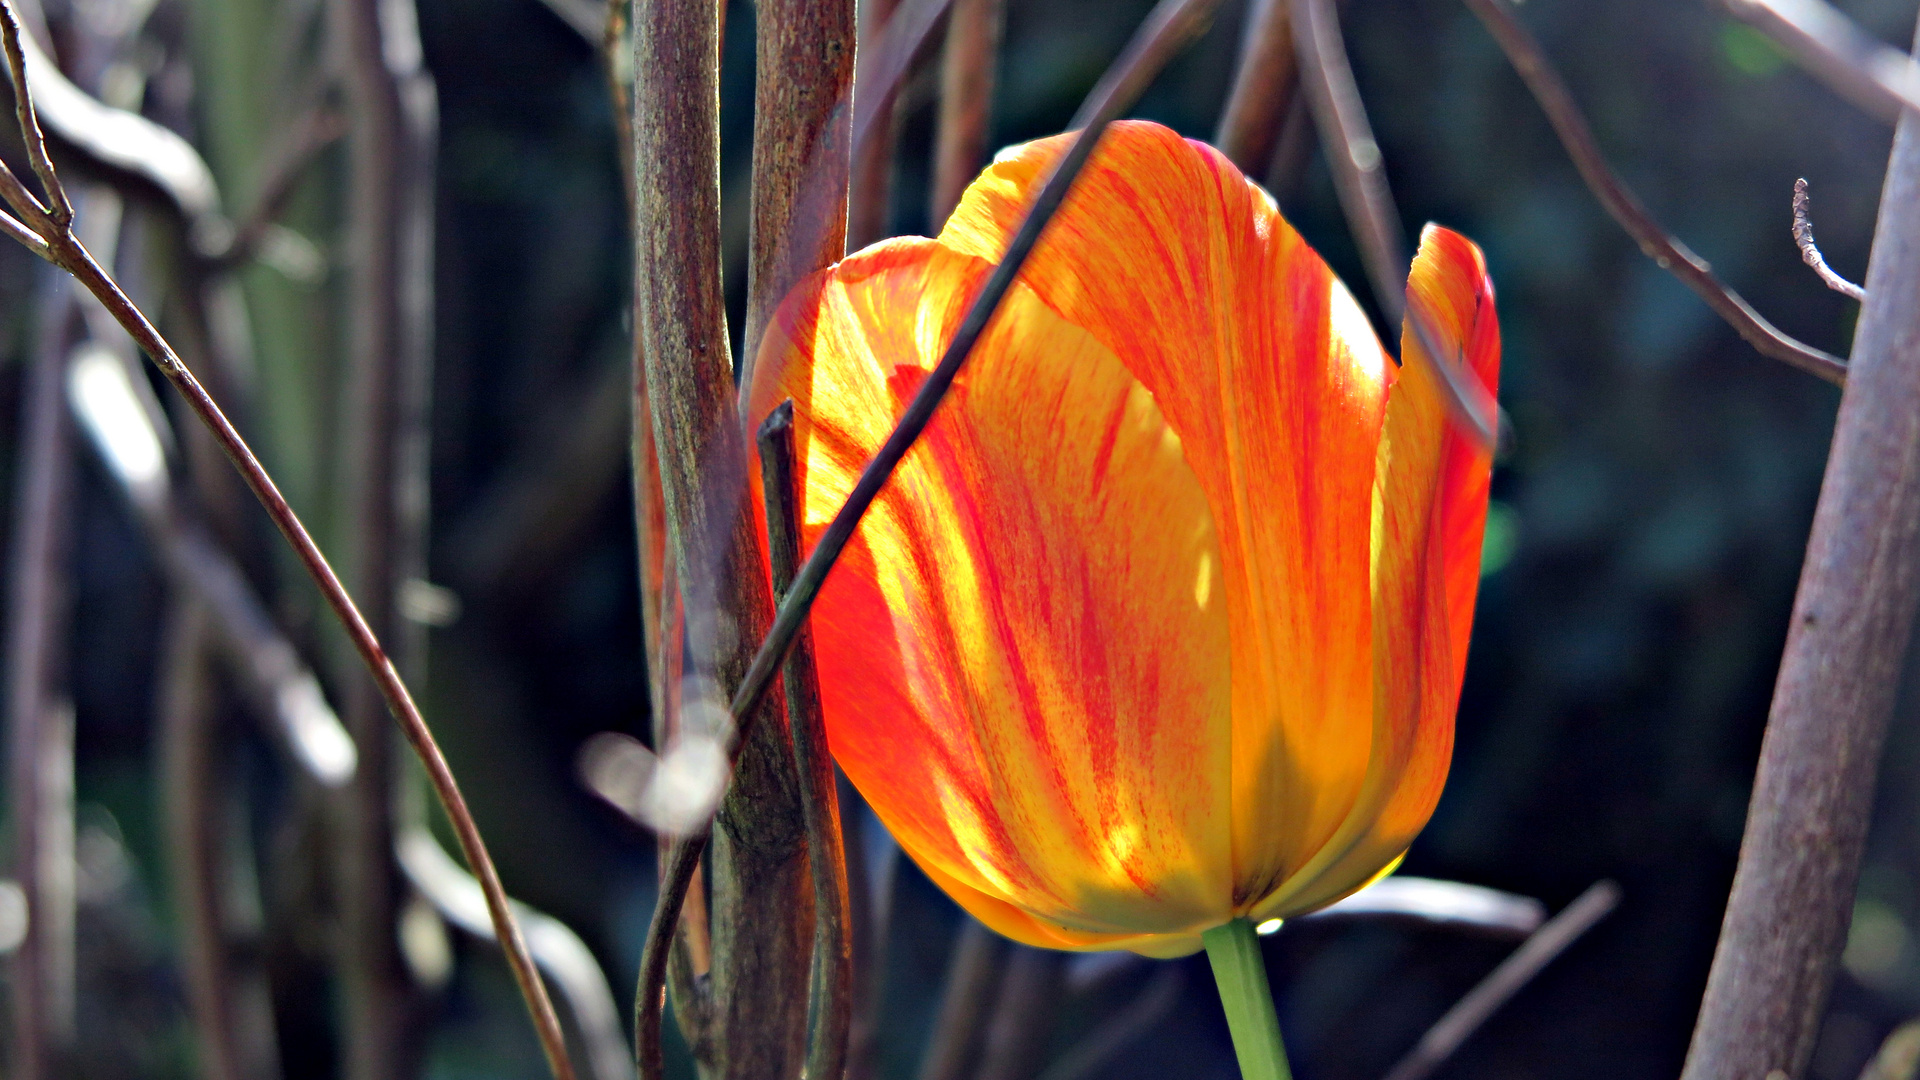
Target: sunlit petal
(1024, 655)
(1263, 363)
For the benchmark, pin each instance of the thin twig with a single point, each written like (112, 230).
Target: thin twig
(567, 961)
(1086, 1058)
(870, 188)
(677, 872)
(1360, 176)
(966, 101)
(59, 210)
(1530, 61)
(1810, 251)
(1264, 87)
(832, 993)
(389, 104)
(1878, 78)
(39, 605)
(971, 986)
(802, 153)
(1515, 972)
(712, 546)
(68, 253)
(1024, 1017)
(193, 804)
(285, 167)
(1853, 614)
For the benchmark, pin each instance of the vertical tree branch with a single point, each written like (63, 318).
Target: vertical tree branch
(832, 994)
(1859, 587)
(392, 114)
(966, 1004)
(967, 69)
(1264, 87)
(759, 994)
(232, 1016)
(802, 144)
(1025, 1016)
(37, 622)
(870, 189)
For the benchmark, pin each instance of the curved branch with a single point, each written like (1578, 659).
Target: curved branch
(1530, 61)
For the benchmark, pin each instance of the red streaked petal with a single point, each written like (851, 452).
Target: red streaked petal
(1432, 505)
(1262, 362)
(1024, 654)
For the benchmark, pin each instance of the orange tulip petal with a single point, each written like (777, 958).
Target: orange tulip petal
(1432, 503)
(1262, 362)
(1024, 653)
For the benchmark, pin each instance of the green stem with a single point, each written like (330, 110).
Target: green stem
(1242, 975)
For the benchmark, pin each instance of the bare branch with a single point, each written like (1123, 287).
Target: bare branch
(39, 605)
(870, 188)
(1530, 61)
(1360, 176)
(966, 101)
(832, 993)
(1085, 1059)
(1263, 91)
(59, 210)
(1853, 615)
(972, 984)
(1515, 972)
(1878, 78)
(567, 961)
(1810, 251)
(67, 252)
(286, 165)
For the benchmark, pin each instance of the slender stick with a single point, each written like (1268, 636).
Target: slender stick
(392, 115)
(1031, 998)
(1506, 980)
(286, 166)
(193, 801)
(756, 1008)
(802, 147)
(974, 973)
(1241, 972)
(1852, 618)
(67, 252)
(1360, 177)
(37, 617)
(832, 994)
(1810, 251)
(1086, 1058)
(59, 210)
(1264, 87)
(1879, 78)
(1530, 61)
(967, 71)
(870, 189)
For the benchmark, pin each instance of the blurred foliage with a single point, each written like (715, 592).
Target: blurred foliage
(1648, 523)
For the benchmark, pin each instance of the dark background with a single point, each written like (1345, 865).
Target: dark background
(1649, 520)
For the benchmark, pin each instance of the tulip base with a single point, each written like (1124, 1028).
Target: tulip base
(1234, 950)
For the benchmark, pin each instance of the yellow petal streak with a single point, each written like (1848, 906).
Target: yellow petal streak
(1262, 362)
(1024, 659)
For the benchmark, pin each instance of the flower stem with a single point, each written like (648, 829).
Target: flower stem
(1242, 975)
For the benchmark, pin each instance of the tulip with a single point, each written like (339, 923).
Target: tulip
(1160, 626)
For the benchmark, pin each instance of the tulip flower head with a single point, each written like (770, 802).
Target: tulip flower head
(1161, 624)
